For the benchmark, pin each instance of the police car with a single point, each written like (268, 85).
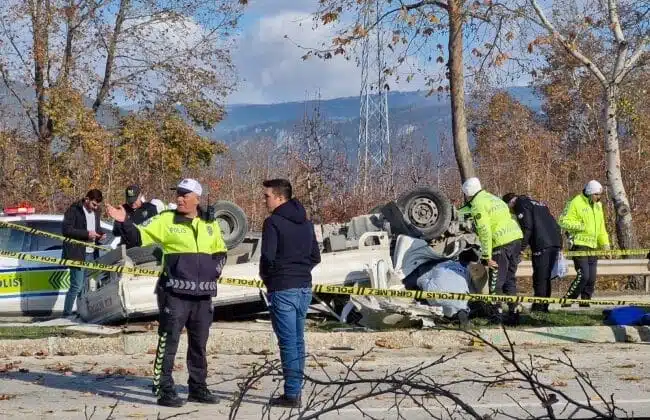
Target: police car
(28, 287)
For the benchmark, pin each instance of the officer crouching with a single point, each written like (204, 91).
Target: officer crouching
(194, 253)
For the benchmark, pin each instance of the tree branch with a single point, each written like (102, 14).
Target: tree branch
(571, 49)
(622, 47)
(641, 49)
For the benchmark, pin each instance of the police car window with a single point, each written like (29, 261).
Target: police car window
(14, 240)
(43, 243)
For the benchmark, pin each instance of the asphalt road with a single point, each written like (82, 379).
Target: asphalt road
(81, 387)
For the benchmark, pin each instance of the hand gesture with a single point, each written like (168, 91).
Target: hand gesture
(117, 214)
(92, 235)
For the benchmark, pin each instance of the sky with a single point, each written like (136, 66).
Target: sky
(270, 66)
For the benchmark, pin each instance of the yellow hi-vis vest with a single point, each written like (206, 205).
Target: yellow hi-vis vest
(585, 222)
(495, 225)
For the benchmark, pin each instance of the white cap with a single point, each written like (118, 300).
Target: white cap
(160, 206)
(593, 187)
(190, 185)
(471, 186)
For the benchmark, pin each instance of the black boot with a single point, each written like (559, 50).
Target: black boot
(170, 399)
(202, 395)
(284, 401)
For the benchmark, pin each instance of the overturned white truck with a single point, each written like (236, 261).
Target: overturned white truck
(364, 251)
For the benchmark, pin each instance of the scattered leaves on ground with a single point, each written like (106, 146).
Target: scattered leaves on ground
(626, 366)
(59, 367)
(4, 397)
(387, 344)
(558, 383)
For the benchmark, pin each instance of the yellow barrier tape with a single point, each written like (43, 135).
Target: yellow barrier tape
(601, 253)
(607, 253)
(419, 294)
(35, 231)
(79, 264)
(331, 289)
(567, 254)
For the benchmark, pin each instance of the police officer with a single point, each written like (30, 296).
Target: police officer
(542, 233)
(500, 237)
(194, 253)
(136, 209)
(584, 221)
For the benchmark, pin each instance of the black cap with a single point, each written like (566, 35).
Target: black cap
(132, 194)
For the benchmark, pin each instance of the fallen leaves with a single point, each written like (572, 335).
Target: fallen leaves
(59, 367)
(631, 378)
(5, 397)
(558, 383)
(7, 367)
(263, 352)
(387, 344)
(120, 371)
(626, 366)
(26, 353)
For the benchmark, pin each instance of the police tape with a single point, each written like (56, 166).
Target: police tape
(332, 289)
(62, 238)
(420, 294)
(79, 264)
(602, 253)
(567, 254)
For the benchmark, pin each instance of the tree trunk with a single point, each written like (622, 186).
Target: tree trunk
(110, 54)
(40, 27)
(457, 86)
(624, 227)
(625, 233)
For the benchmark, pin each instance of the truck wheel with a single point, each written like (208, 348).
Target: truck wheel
(232, 221)
(427, 210)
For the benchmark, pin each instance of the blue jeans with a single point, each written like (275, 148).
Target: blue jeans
(288, 310)
(76, 284)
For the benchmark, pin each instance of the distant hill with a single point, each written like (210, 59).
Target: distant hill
(424, 117)
(427, 117)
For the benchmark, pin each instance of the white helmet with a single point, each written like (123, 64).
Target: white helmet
(471, 187)
(160, 206)
(593, 187)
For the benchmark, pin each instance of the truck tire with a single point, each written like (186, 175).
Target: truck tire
(427, 210)
(232, 221)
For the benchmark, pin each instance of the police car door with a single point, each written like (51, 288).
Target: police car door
(31, 287)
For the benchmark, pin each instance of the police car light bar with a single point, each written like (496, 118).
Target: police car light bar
(22, 208)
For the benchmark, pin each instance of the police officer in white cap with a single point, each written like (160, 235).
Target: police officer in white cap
(194, 253)
(584, 221)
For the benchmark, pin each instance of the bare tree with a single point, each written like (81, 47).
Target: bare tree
(621, 31)
(419, 386)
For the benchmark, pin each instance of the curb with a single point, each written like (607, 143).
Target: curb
(231, 341)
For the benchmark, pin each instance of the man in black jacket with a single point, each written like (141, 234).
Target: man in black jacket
(81, 221)
(136, 209)
(289, 253)
(542, 233)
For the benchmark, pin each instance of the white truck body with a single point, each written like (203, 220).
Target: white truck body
(111, 297)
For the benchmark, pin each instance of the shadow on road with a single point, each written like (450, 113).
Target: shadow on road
(125, 388)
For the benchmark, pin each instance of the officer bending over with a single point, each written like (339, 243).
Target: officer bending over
(194, 253)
